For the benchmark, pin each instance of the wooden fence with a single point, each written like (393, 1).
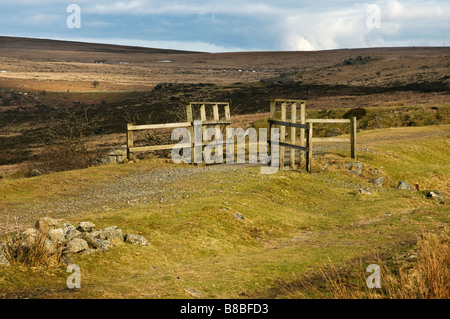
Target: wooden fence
(203, 108)
(209, 115)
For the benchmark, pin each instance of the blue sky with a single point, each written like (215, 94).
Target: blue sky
(231, 25)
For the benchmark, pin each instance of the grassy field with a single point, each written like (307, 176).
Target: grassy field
(294, 223)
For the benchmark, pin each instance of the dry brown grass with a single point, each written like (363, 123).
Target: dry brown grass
(33, 250)
(427, 277)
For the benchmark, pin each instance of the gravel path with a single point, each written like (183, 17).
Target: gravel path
(139, 189)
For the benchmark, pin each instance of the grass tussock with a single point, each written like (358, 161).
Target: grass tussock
(426, 277)
(33, 250)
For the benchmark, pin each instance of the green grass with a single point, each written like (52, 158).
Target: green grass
(294, 223)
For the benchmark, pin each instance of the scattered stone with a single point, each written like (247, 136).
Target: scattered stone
(66, 227)
(95, 242)
(111, 233)
(72, 234)
(76, 245)
(46, 223)
(405, 185)
(364, 191)
(86, 227)
(238, 216)
(388, 214)
(57, 235)
(378, 181)
(354, 173)
(117, 154)
(194, 293)
(135, 240)
(358, 167)
(437, 195)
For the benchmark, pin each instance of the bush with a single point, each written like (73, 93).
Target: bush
(359, 113)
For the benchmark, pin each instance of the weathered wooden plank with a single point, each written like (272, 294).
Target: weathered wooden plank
(157, 147)
(287, 145)
(158, 126)
(330, 139)
(328, 121)
(289, 124)
(302, 130)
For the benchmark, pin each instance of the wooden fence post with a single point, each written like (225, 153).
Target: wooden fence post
(190, 119)
(130, 144)
(293, 132)
(309, 138)
(282, 135)
(353, 136)
(302, 131)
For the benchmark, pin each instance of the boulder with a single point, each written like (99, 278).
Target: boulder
(378, 181)
(45, 224)
(75, 246)
(86, 227)
(438, 196)
(73, 233)
(95, 242)
(117, 154)
(113, 234)
(57, 235)
(66, 227)
(405, 185)
(135, 240)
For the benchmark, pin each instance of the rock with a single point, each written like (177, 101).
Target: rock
(135, 240)
(75, 246)
(95, 242)
(194, 293)
(378, 181)
(57, 235)
(46, 223)
(437, 195)
(86, 227)
(112, 233)
(405, 185)
(238, 216)
(117, 154)
(364, 191)
(358, 167)
(73, 233)
(66, 227)
(388, 214)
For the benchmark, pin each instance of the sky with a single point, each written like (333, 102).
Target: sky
(232, 25)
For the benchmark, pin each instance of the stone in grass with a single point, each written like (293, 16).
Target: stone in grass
(75, 246)
(112, 233)
(86, 227)
(378, 181)
(66, 227)
(47, 223)
(405, 185)
(437, 195)
(95, 242)
(135, 239)
(364, 191)
(238, 216)
(57, 235)
(73, 233)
